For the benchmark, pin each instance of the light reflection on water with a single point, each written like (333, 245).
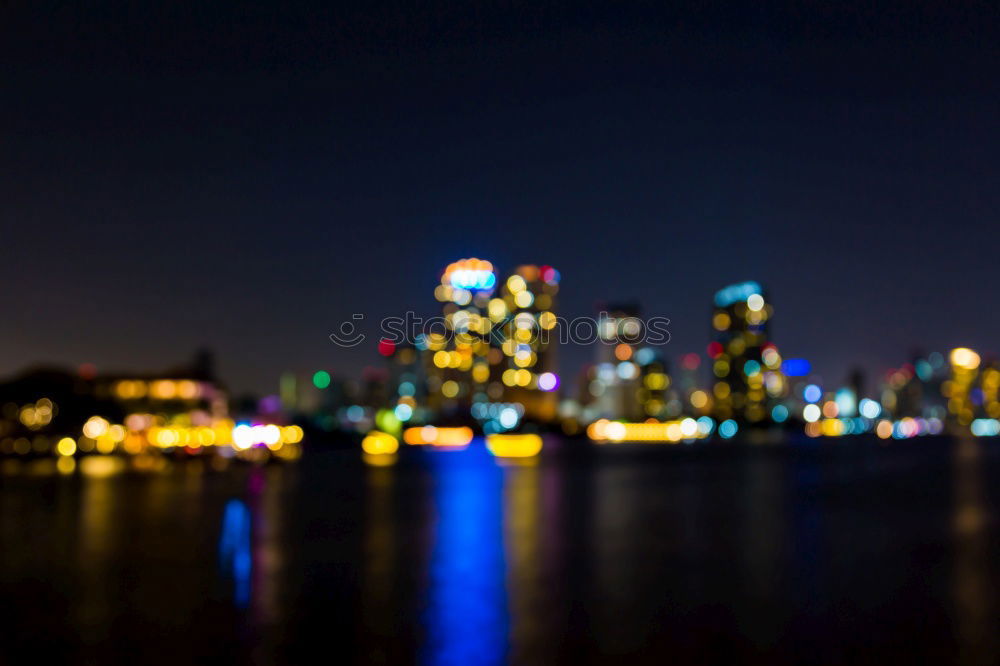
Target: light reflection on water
(235, 561)
(975, 604)
(452, 558)
(466, 616)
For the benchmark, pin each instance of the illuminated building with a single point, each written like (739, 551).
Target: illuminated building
(189, 390)
(687, 382)
(493, 359)
(959, 388)
(181, 411)
(168, 395)
(36, 413)
(524, 322)
(990, 387)
(655, 393)
(615, 380)
(746, 366)
(457, 357)
(407, 381)
(374, 388)
(289, 392)
(914, 389)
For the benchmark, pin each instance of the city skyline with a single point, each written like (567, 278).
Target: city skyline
(367, 355)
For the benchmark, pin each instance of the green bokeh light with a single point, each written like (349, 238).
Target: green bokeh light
(321, 379)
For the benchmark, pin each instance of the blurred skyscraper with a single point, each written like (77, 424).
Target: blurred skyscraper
(525, 320)
(458, 367)
(960, 389)
(493, 358)
(615, 379)
(745, 362)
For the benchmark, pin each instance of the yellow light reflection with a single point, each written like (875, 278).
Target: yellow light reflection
(438, 437)
(514, 445)
(379, 443)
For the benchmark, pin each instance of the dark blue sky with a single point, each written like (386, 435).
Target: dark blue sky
(245, 177)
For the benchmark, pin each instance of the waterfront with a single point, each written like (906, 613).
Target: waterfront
(822, 552)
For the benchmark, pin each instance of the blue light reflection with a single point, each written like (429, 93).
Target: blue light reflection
(467, 618)
(235, 559)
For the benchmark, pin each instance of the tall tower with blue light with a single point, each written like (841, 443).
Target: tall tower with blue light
(457, 351)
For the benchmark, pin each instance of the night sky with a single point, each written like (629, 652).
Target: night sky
(246, 177)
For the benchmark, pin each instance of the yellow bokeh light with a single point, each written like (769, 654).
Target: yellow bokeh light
(516, 284)
(379, 459)
(440, 437)
(163, 389)
(95, 427)
(831, 427)
(105, 444)
(965, 358)
(497, 309)
(699, 399)
(652, 431)
(656, 381)
(187, 389)
(514, 445)
(379, 443)
(66, 446)
(65, 465)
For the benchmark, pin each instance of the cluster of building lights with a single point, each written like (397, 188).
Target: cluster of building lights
(502, 380)
(681, 430)
(144, 433)
(745, 362)
(38, 414)
(498, 417)
(492, 363)
(160, 389)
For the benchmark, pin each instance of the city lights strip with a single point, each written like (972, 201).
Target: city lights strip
(444, 438)
(985, 427)
(668, 431)
(905, 428)
(514, 445)
(141, 431)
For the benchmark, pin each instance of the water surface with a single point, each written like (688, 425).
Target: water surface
(831, 552)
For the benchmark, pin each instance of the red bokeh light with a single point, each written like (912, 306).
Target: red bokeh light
(691, 361)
